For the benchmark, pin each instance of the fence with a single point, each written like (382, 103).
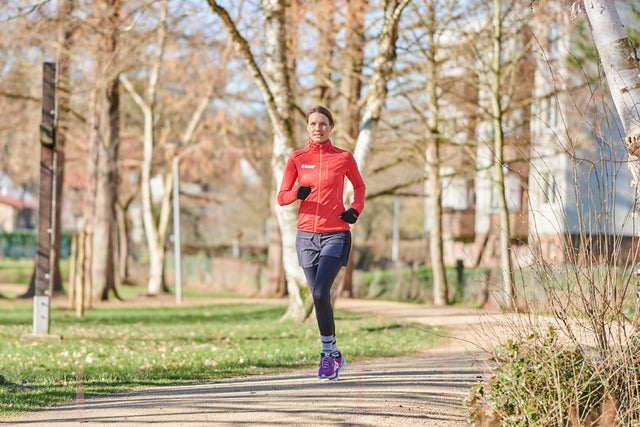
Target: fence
(23, 244)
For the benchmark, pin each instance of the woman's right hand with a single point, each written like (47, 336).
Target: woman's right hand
(303, 192)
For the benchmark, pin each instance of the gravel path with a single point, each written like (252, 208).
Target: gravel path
(426, 389)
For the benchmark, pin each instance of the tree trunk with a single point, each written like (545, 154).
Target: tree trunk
(324, 16)
(282, 117)
(88, 204)
(275, 281)
(291, 19)
(349, 96)
(382, 69)
(153, 232)
(107, 144)
(123, 244)
(620, 64)
(65, 37)
(433, 161)
(274, 85)
(349, 101)
(103, 274)
(498, 152)
(440, 289)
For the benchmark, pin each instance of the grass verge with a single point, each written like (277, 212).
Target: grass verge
(113, 349)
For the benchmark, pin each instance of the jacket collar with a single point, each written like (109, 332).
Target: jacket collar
(314, 146)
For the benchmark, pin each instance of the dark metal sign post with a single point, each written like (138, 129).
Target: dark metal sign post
(46, 210)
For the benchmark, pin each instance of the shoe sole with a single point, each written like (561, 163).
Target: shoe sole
(327, 378)
(330, 378)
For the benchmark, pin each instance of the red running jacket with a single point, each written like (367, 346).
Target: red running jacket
(324, 167)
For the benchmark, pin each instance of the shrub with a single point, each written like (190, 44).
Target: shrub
(416, 283)
(537, 382)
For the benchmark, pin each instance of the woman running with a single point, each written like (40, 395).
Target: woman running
(323, 241)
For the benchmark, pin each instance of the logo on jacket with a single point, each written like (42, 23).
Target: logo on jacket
(308, 166)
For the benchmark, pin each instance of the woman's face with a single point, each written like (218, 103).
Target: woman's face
(319, 128)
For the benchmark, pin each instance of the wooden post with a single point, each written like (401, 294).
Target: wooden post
(80, 279)
(44, 276)
(72, 270)
(89, 274)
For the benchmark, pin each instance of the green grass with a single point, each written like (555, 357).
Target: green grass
(115, 349)
(18, 271)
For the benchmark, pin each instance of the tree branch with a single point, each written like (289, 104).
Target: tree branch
(132, 92)
(155, 70)
(243, 48)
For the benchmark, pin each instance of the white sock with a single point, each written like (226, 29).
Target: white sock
(329, 344)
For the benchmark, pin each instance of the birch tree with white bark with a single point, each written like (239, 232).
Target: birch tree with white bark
(620, 63)
(377, 90)
(156, 229)
(273, 82)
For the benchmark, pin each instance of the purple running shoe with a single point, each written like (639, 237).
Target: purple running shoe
(328, 367)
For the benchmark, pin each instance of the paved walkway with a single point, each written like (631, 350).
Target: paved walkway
(418, 390)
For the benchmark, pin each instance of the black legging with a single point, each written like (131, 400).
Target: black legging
(320, 278)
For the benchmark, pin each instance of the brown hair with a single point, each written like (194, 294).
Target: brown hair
(322, 110)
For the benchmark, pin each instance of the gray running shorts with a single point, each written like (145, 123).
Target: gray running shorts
(311, 246)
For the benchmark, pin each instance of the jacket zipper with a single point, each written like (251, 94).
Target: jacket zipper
(315, 225)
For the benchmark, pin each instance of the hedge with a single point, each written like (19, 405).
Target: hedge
(23, 244)
(416, 283)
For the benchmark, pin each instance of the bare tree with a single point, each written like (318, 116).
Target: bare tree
(382, 71)
(433, 161)
(275, 88)
(383, 64)
(495, 68)
(154, 231)
(148, 102)
(325, 22)
(497, 120)
(105, 141)
(349, 100)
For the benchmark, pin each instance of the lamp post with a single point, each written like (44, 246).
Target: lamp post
(176, 221)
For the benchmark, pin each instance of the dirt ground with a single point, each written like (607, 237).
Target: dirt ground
(425, 389)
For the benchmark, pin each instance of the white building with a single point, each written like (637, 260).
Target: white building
(566, 179)
(17, 207)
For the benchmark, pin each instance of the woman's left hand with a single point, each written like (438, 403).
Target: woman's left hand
(350, 215)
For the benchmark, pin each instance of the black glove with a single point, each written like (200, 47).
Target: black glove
(303, 192)
(350, 215)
